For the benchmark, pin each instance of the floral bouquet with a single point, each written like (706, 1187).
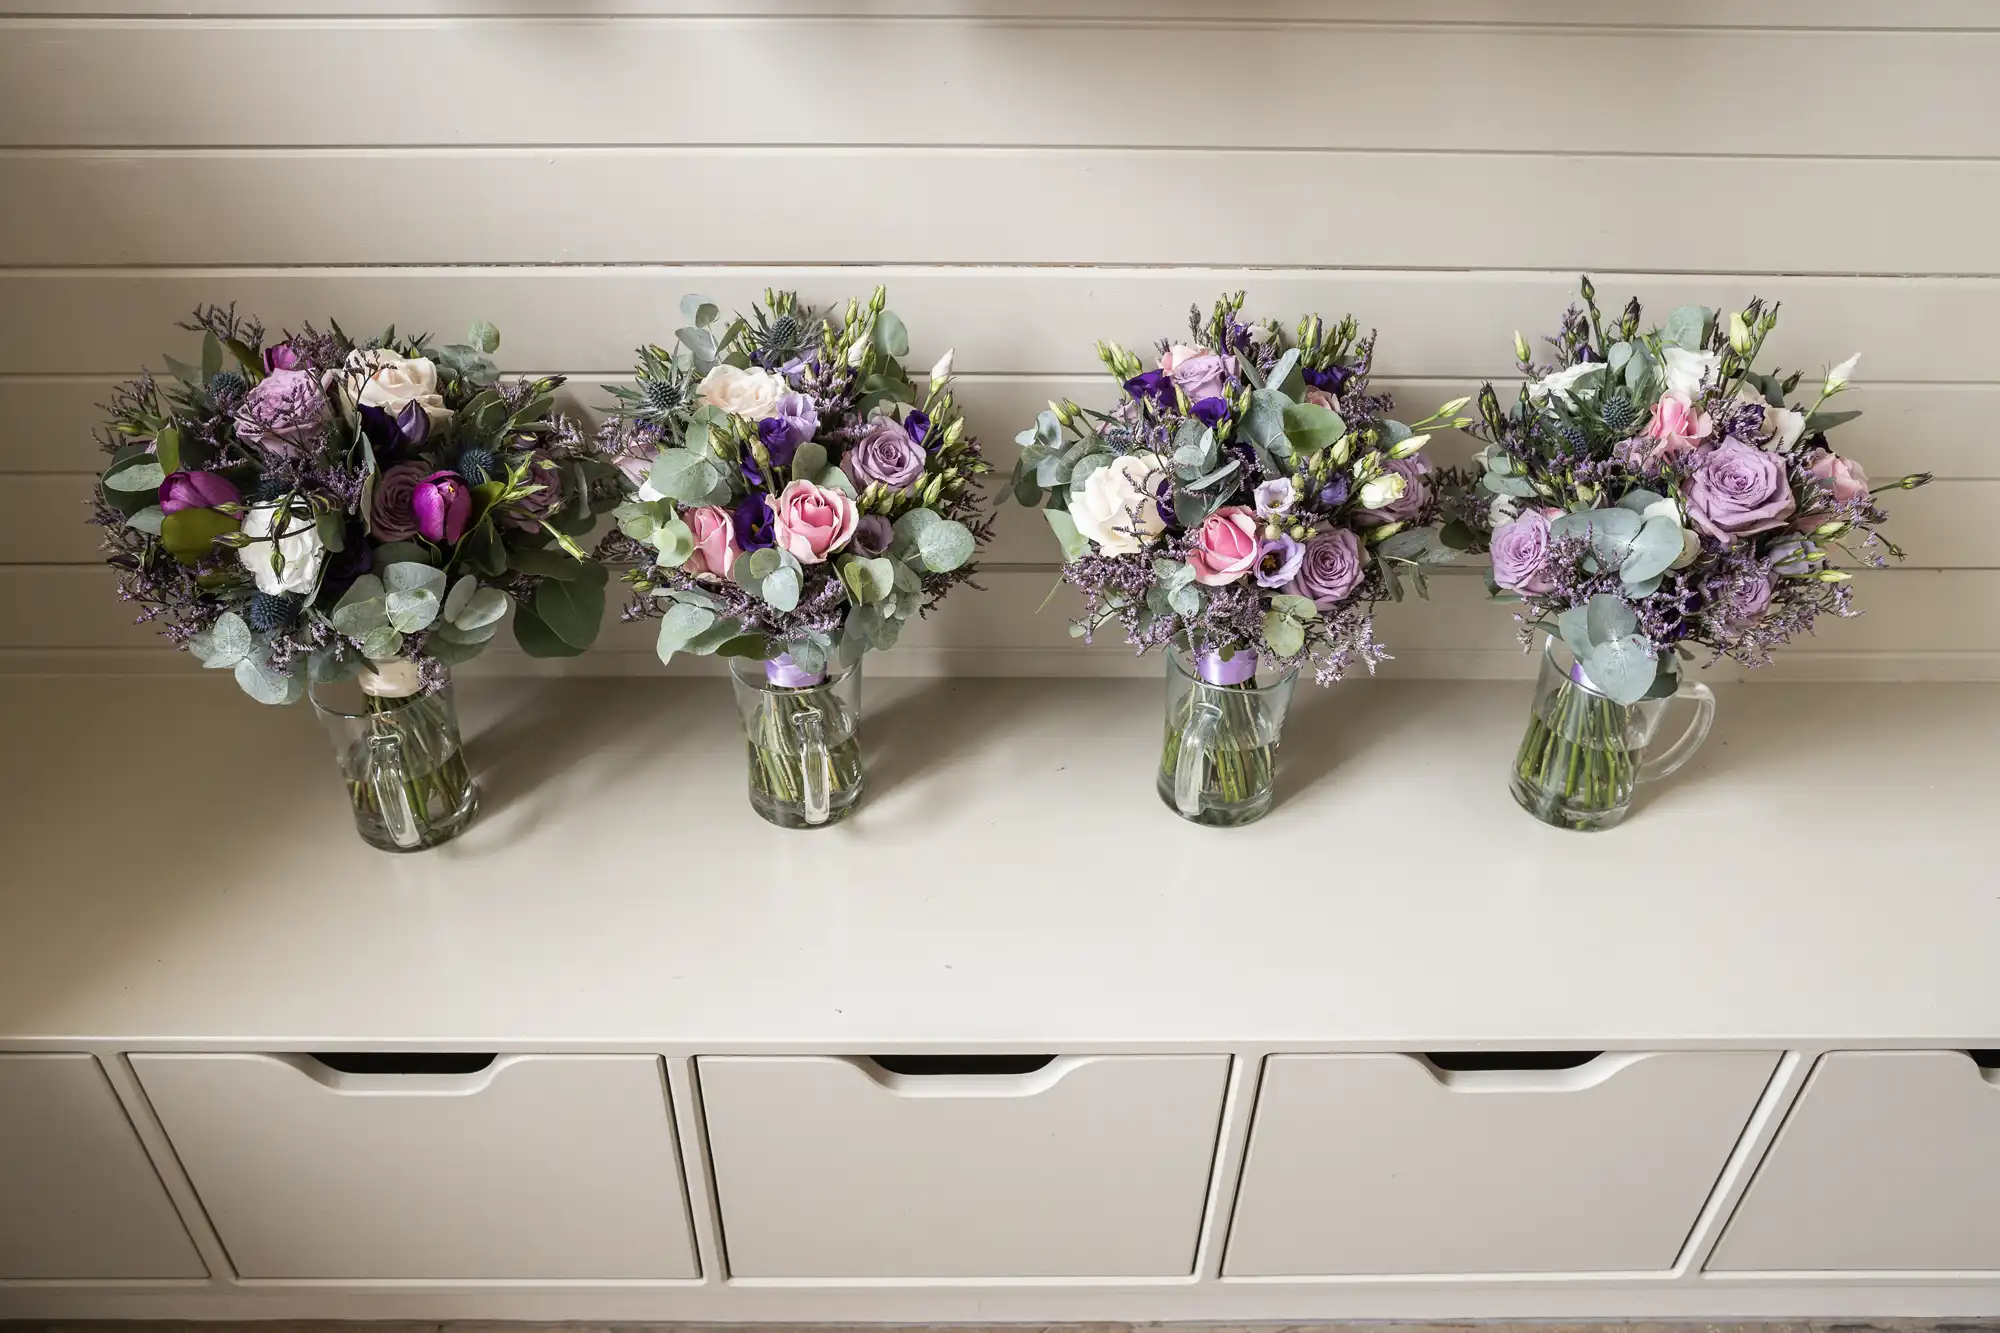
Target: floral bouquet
(320, 509)
(1248, 498)
(1652, 490)
(799, 499)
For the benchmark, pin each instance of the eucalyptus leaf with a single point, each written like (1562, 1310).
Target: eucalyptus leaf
(1285, 376)
(1623, 668)
(700, 311)
(382, 643)
(1074, 544)
(1186, 599)
(945, 545)
(223, 644)
(1263, 421)
(409, 576)
(1653, 551)
(144, 476)
(680, 626)
(868, 579)
(672, 543)
(481, 610)
(410, 612)
(809, 461)
(891, 337)
(1301, 608)
(1283, 635)
(1310, 428)
(572, 611)
(461, 593)
(684, 476)
(536, 638)
(266, 686)
(781, 590)
(147, 520)
(1687, 327)
(1608, 618)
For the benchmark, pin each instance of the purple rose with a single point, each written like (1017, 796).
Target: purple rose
(885, 454)
(1330, 569)
(792, 422)
(283, 412)
(1278, 561)
(528, 512)
(1416, 497)
(752, 520)
(1520, 549)
(872, 535)
(281, 357)
(1198, 372)
(1749, 598)
(196, 490)
(442, 503)
(1738, 490)
(391, 514)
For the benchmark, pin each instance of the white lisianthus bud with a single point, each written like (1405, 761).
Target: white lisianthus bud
(1521, 353)
(1739, 333)
(1837, 378)
(1383, 490)
(941, 371)
(1340, 451)
(856, 352)
(396, 678)
(1385, 532)
(1404, 448)
(1833, 576)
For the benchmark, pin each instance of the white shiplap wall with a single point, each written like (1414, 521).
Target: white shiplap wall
(1027, 176)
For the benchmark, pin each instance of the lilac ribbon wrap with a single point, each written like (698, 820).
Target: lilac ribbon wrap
(788, 675)
(1214, 669)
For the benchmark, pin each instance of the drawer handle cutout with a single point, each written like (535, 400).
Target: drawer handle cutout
(962, 1066)
(1986, 1060)
(1466, 1062)
(374, 1063)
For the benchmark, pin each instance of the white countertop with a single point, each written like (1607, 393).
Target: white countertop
(181, 868)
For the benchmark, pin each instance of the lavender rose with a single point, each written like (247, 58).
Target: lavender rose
(527, 513)
(1198, 372)
(873, 536)
(885, 454)
(283, 412)
(1520, 550)
(1416, 497)
(1750, 598)
(391, 514)
(1330, 570)
(1739, 490)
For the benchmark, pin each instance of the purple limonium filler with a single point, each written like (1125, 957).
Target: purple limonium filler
(1278, 560)
(1209, 411)
(752, 521)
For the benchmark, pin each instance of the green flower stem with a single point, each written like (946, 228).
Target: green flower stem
(1574, 763)
(777, 761)
(1238, 762)
(436, 781)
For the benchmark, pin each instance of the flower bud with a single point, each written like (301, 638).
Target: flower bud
(1404, 448)
(1833, 576)
(1521, 352)
(1836, 379)
(1833, 529)
(1386, 531)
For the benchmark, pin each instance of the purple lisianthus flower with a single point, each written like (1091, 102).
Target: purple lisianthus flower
(885, 455)
(1274, 497)
(1329, 569)
(1416, 497)
(1738, 490)
(752, 520)
(794, 421)
(442, 503)
(281, 357)
(409, 427)
(917, 423)
(873, 535)
(1153, 385)
(1334, 493)
(283, 412)
(1209, 411)
(1331, 379)
(1278, 561)
(196, 490)
(392, 515)
(1520, 551)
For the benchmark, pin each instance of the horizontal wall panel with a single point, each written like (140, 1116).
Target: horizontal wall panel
(1007, 81)
(1819, 14)
(970, 206)
(46, 423)
(1913, 612)
(1948, 525)
(57, 321)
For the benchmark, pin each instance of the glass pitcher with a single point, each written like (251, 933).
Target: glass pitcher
(1585, 753)
(398, 749)
(1218, 764)
(805, 760)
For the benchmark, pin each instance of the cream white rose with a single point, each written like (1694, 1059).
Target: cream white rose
(1564, 382)
(1688, 371)
(751, 394)
(396, 678)
(299, 543)
(378, 377)
(1118, 507)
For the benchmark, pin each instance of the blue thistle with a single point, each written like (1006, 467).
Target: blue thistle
(271, 612)
(479, 466)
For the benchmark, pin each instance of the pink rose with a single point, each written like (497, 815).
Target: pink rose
(1226, 547)
(1843, 477)
(811, 522)
(1676, 427)
(1199, 372)
(1321, 398)
(714, 541)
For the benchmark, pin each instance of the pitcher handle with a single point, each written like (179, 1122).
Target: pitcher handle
(1203, 716)
(815, 765)
(388, 782)
(1658, 766)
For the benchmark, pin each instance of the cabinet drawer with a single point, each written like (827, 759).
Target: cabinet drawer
(1394, 1164)
(530, 1167)
(78, 1196)
(1088, 1166)
(1889, 1161)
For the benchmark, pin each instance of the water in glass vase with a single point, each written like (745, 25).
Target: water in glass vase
(1218, 764)
(799, 728)
(401, 758)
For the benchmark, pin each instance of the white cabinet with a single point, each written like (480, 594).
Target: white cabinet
(531, 1167)
(78, 1197)
(1089, 1166)
(1889, 1161)
(1391, 1164)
